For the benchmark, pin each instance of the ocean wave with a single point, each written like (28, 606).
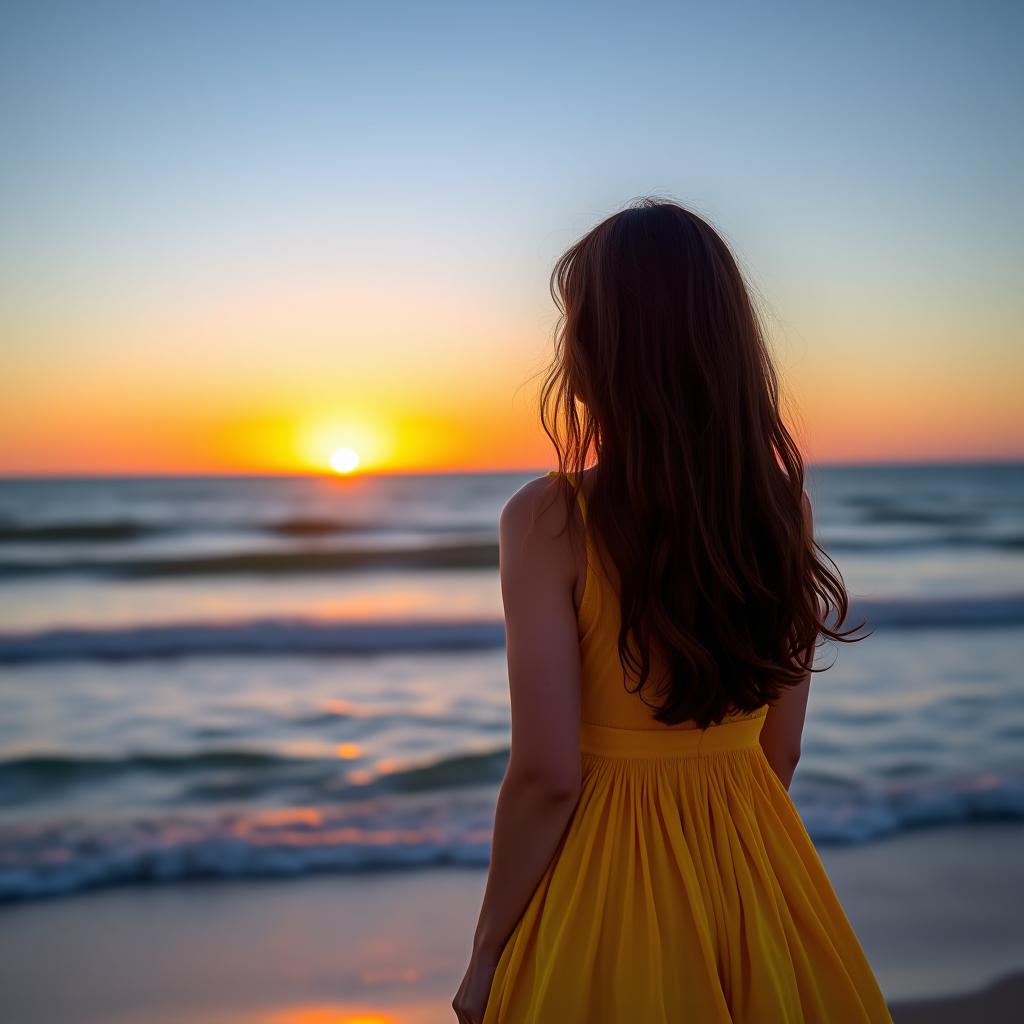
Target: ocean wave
(937, 514)
(132, 529)
(325, 527)
(62, 857)
(254, 636)
(458, 555)
(406, 832)
(938, 542)
(289, 636)
(959, 612)
(479, 550)
(209, 776)
(858, 813)
(73, 531)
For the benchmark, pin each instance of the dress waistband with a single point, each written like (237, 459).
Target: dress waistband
(611, 741)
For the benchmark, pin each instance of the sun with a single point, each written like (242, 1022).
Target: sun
(342, 445)
(344, 460)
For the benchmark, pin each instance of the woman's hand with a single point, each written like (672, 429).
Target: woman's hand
(471, 999)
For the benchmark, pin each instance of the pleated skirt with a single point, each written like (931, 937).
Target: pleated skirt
(684, 889)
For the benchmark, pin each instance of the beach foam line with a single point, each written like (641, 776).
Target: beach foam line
(406, 825)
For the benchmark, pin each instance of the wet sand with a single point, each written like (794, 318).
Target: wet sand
(936, 911)
(998, 1003)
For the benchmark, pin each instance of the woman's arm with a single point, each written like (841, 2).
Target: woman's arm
(782, 730)
(542, 782)
(783, 727)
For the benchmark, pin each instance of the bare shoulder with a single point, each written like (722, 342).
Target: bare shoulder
(532, 528)
(538, 503)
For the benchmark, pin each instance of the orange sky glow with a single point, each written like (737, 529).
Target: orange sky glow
(225, 272)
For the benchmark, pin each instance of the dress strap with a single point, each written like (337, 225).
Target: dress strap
(583, 613)
(581, 499)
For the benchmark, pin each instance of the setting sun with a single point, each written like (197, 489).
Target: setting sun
(356, 441)
(344, 460)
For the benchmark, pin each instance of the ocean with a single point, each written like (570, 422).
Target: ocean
(268, 676)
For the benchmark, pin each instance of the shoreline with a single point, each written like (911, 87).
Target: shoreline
(930, 908)
(999, 1002)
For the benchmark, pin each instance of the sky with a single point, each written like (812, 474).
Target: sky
(238, 237)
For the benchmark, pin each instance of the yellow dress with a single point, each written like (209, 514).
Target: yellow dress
(685, 889)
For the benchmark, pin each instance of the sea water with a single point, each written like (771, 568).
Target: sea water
(266, 676)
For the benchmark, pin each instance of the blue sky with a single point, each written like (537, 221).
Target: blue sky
(863, 160)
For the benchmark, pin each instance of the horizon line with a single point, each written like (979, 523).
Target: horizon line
(1003, 461)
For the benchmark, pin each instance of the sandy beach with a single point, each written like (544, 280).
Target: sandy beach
(931, 908)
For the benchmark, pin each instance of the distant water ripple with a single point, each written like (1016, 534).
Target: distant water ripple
(317, 636)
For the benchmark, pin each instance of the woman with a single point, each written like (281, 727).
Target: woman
(648, 864)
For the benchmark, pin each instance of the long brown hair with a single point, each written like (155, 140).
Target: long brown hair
(662, 371)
